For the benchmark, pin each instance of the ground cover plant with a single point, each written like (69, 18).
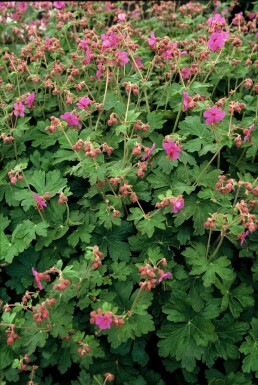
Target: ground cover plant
(128, 190)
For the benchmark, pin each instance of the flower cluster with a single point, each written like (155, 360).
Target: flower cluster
(105, 319)
(153, 274)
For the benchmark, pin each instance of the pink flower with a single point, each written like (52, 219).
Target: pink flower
(138, 61)
(37, 279)
(186, 100)
(40, 201)
(217, 40)
(186, 73)
(99, 72)
(59, 4)
(22, 6)
(109, 40)
(18, 109)
(248, 134)
(148, 151)
(123, 57)
(30, 99)
(104, 321)
(242, 237)
(217, 18)
(152, 40)
(71, 119)
(165, 276)
(178, 203)
(168, 54)
(172, 149)
(87, 59)
(213, 115)
(121, 17)
(83, 103)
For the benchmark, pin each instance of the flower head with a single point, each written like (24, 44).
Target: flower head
(213, 115)
(37, 279)
(217, 40)
(152, 40)
(83, 103)
(186, 73)
(40, 201)
(59, 4)
(123, 57)
(217, 18)
(18, 109)
(242, 237)
(178, 203)
(186, 100)
(104, 321)
(165, 276)
(30, 99)
(148, 151)
(248, 133)
(71, 119)
(172, 149)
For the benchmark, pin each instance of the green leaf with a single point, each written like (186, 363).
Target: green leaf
(148, 225)
(82, 233)
(250, 349)
(50, 182)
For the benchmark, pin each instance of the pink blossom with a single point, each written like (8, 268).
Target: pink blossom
(186, 73)
(59, 4)
(217, 18)
(99, 72)
(83, 44)
(30, 100)
(165, 276)
(83, 103)
(168, 54)
(71, 119)
(172, 149)
(104, 321)
(19, 109)
(88, 57)
(217, 40)
(138, 61)
(213, 115)
(148, 151)
(37, 279)
(121, 17)
(248, 134)
(22, 6)
(242, 237)
(152, 40)
(40, 201)
(109, 40)
(123, 57)
(186, 100)
(178, 203)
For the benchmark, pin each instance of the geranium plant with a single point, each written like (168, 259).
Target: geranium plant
(128, 190)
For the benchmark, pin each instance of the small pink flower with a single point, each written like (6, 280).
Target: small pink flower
(216, 18)
(121, 17)
(152, 40)
(83, 103)
(213, 115)
(37, 279)
(18, 109)
(30, 100)
(138, 61)
(59, 4)
(172, 149)
(217, 40)
(71, 119)
(40, 201)
(168, 54)
(186, 100)
(242, 237)
(148, 151)
(165, 276)
(104, 321)
(109, 40)
(248, 134)
(178, 203)
(87, 59)
(186, 73)
(99, 71)
(123, 57)
(22, 6)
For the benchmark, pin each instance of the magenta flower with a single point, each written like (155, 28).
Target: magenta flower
(248, 134)
(165, 276)
(152, 40)
(121, 17)
(83, 103)
(168, 54)
(123, 57)
(178, 203)
(71, 119)
(172, 149)
(99, 71)
(18, 109)
(109, 40)
(37, 279)
(138, 61)
(59, 4)
(87, 59)
(104, 321)
(30, 100)
(217, 40)
(213, 115)
(217, 18)
(186, 73)
(186, 100)
(242, 237)
(22, 6)
(148, 151)
(40, 201)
